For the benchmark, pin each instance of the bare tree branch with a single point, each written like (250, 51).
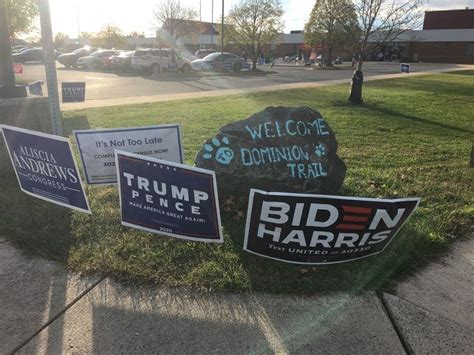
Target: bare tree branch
(174, 20)
(385, 21)
(332, 23)
(252, 24)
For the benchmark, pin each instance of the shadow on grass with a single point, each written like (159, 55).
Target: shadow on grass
(462, 72)
(38, 227)
(387, 113)
(430, 85)
(99, 244)
(392, 115)
(76, 123)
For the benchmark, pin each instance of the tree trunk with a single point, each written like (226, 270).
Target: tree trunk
(355, 96)
(329, 60)
(254, 63)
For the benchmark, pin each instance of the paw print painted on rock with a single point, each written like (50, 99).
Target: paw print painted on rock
(223, 155)
(320, 150)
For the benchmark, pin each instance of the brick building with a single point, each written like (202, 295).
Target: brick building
(447, 37)
(449, 20)
(286, 44)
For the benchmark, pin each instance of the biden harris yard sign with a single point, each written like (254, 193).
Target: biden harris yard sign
(96, 148)
(45, 167)
(321, 229)
(168, 198)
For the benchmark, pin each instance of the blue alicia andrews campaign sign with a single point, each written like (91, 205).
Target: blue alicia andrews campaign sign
(45, 167)
(168, 198)
(36, 88)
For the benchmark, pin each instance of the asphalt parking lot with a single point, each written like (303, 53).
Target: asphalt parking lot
(105, 85)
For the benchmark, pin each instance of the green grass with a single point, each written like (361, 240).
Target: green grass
(412, 138)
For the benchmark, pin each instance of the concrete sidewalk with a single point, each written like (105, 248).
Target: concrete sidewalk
(228, 92)
(45, 309)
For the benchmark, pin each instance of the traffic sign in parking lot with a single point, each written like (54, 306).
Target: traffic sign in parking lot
(74, 92)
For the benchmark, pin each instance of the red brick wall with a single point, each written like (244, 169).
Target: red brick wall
(441, 52)
(281, 49)
(452, 19)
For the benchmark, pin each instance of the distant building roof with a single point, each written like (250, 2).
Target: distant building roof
(207, 28)
(449, 19)
(293, 37)
(457, 35)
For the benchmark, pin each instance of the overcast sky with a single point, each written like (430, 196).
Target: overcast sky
(69, 16)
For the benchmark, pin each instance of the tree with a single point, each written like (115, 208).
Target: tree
(21, 16)
(175, 20)
(110, 36)
(60, 40)
(252, 24)
(382, 21)
(331, 23)
(86, 35)
(135, 36)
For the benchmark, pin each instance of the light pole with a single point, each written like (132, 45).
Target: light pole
(50, 67)
(78, 23)
(8, 88)
(200, 22)
(212, 24)
(222, 36)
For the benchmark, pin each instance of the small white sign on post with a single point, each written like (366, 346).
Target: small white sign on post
(96, 148)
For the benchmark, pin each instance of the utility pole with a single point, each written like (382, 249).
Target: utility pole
(222, 36)
(8, 88)
(200, 22)
(50, 67)
(212, 24)
(78, 15)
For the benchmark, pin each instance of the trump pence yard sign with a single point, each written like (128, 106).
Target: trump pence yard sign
(168, 198)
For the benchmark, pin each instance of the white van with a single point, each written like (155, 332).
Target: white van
(155, 61)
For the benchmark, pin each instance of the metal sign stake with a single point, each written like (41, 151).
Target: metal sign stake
(50, 67)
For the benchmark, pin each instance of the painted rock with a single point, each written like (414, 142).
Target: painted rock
(280, 149)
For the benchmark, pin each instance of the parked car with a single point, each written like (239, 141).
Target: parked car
(28, 55)
(157, 60)
(107, 60)
(20, 48)
(201, 53)
(70, 59)
(96, 59)
(214, 61)
(122, 62)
